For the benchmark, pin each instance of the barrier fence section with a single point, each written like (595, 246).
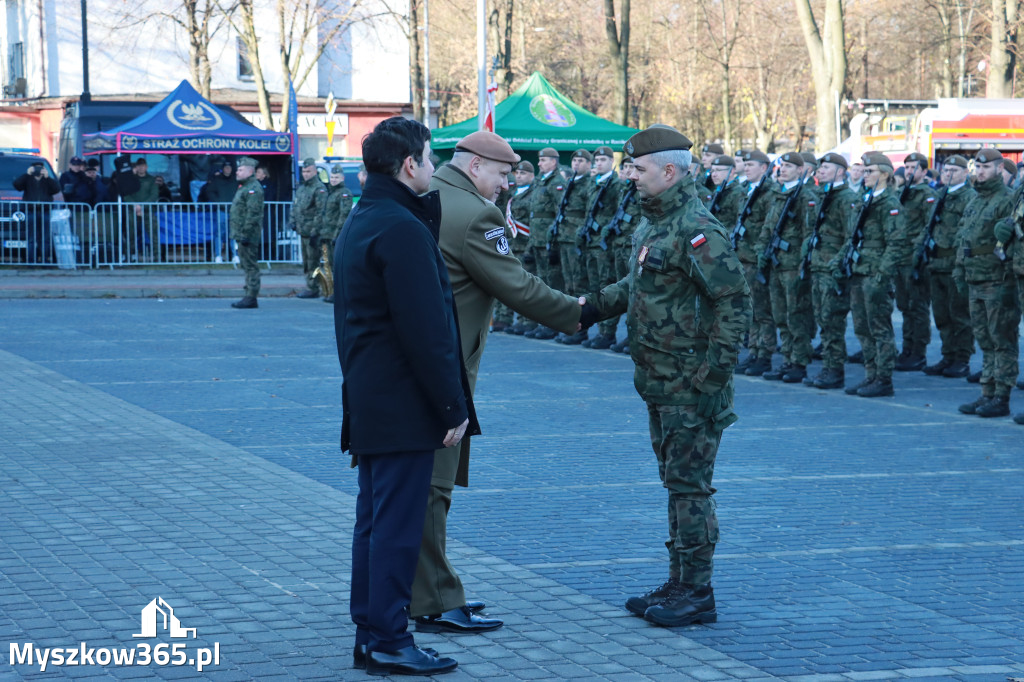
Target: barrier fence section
(71, 235)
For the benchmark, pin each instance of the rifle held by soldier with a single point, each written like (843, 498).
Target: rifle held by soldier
(926, 249)
(852, 254)
(805, 264)
(739, 231)
(777, 243)
(614, 226)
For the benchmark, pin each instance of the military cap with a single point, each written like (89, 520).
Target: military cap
(525, 166)
(713, 148)
(809, 158)
(251, 162)
(627, 159)
(876, 159)
(1010, 166)
(76, 161)
(549, 152)
(488, 145)
(93, 164)
(604, 150)
(987, 156)
(583, 154)
(955, 160)
(837, 159)
(657, 138)
(792, 157)
(309, 163)
(723, 160)
(756, 155)
(916, 156)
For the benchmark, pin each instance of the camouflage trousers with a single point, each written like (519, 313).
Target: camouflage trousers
(995, 317)
(913, 299)
(310, 262)
(686, 446)
(248, 256)
(600, 267)
(952, 317)
(791, 310)
(831, 311)
(573, 273)
(762, 335)
(871, 304)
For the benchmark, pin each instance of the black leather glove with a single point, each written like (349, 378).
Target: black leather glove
(314, 240)
(589, 315)
(710, 404)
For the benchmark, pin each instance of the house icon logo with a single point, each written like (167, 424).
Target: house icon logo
(171, 624)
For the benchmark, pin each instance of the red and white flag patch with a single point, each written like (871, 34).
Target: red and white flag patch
(894, 211)
(929, 200)
(698, 240)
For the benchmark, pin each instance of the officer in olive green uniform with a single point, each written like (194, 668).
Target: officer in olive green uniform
(144, 239)
(1010, 232)
(544, 202)
(743, 235)
(913, 295)
(618, 234)
(837, 211)
(790, 295)
(246, 222)
(306, 218)
(517, 216)
(983, 266)
(599, 261)
(874, 252)
(338, 206)
(949, 306)
(687, 306)
(574, 201)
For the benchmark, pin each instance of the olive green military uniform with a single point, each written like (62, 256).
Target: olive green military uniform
(245, 220)
(337, 206)
(883, 245)
(573, 274)
(481, 267)
(547, 192)
(144, 229)
(516, 207)
(949, 305)
(992, 292)
(761, 335)
(618, 234)
(729, 202)
(307, 218)
(687, 307)
(1014, 227)
(599, 263)
(913, 297)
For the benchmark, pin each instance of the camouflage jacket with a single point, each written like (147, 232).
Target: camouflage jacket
(544, 198)
(337, 207)
(603, 203)
(1015, 249)
(884, 241)
(686, 301)
(730, 203)
(948, 225)
(519, 208)
(246, 216)
(917, 208)
(795, 230)
(576, 208)
(758, 211)
(307, 214)
(841, 205)
(976, 260)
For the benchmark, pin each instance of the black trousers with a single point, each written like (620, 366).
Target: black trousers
(390, 508)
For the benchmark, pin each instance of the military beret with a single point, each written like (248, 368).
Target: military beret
(489, 146)
(337, 169)
(756, 155)
(876, 159)
(549, 152)
(627, 159)
(525, 166)
(309, 163)
(792, 157)
(987, 156)
(713, 148)
(837, 159)
(604, 151)
(901, 172)
(583, 154)
(657, 138)
(918, 157)
(250, 162)
(1010, 166)
(809, 158)
(723, 160)
(956, 160)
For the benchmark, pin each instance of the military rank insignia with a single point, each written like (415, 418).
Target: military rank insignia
(698, 240)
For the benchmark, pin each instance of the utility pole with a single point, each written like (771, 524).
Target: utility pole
(85, 55)
(481, 62)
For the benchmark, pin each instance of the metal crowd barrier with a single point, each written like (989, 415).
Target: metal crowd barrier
(115, 234)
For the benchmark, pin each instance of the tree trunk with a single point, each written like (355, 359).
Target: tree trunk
(828, 66)
(1002, 55)
(499, 26)
(618, 49)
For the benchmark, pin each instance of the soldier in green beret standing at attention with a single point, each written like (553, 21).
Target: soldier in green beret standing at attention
(246, 223)
(687, 306)
(337, 207)
(307, 218)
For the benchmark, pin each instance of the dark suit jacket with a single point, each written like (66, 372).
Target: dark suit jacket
(404, 380)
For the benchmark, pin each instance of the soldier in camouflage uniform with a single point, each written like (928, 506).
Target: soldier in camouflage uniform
(726, 201)
(579, 190)
(517, 214)
(307, 218)
(245, 219)
(790, 295)
(949, 306)
(877, 249)
(618, 234)
(1010, 232)
(912, 296)
(338, 206)
(983, 267)
(546, 194)
(687, 306)
(600, 262)
(702, 178)
(837, 211)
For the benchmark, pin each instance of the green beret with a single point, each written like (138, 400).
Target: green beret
(338, 169)
(247, 161)
(627, 159)
(723, 160)
(309, 163)
(987, 156)
(956, 160)
(604, 151)
(657, 138)
(809, 158)
(525, 166)
(792, 157)
(583, 154)
(837, 159)
(876, 159)
(756, 155)
(918, 157)
(713, 148)
(549, 152)
(1009, 166)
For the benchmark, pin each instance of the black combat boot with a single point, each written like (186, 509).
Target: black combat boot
(575, 339)
(1019, 419)
(308, 293)
(602, 342)
(795, 375)
(998, 406)
(544, 333)
(912, 363)
(329, 299)
(777, 374)
(829, 378)
(879, 388)
(639, 605)
(1020, 384)
(856, 359)
(957, 370)
(972, 407)
(759, 366)
(688, 604)
(246, 302)
(852, 390)
(974, 378)
(741, 367)
(621, 347)
(938, 368)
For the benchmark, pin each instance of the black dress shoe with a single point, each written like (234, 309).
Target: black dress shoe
(408, 661)
(457, 620)
(476, 606)
(359, 655)
(308, 293)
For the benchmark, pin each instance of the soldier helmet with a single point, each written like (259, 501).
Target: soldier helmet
(988, 155)
(488, 145)
(657, 138)
(794, 158)
(920, 158)
(837, 159)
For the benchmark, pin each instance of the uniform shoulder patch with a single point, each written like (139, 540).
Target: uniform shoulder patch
(929, 200)
(698, 240)
(894, 211)
(494, 234)
(559, 188)
(502, 246)
(812, 203)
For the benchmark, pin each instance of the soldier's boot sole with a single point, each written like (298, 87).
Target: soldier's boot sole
(659, 618)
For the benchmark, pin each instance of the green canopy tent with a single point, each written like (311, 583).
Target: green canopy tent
(537, 116)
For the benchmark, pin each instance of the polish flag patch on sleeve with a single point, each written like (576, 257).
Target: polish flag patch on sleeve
(894, 211)
(698, 240)
(929, 200)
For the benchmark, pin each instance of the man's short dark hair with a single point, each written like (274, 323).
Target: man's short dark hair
(391, 142)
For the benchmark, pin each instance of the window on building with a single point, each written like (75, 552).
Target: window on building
(244, 67)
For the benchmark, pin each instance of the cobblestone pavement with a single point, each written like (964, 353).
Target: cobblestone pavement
(183, 450)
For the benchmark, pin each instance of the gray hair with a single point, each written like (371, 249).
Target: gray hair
(680, 158)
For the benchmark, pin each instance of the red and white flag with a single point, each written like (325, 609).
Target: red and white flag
(513, 224)
(489, 104)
